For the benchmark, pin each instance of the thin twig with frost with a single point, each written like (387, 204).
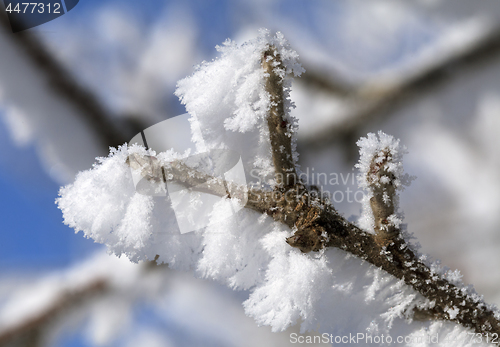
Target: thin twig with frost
(386, 249)
(279, 125)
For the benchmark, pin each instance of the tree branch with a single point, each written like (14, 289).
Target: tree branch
(111, 130)
(31, 331)
(383, 200)
(34, 328)
(180, 172)
(279, 126)
(332, 85)
(318, 225)
(397, 258)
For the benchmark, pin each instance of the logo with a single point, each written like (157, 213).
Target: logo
(195, 181)
(26, 15)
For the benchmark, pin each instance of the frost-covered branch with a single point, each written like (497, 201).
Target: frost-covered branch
(233, 98)
(280, 127)
(381, 175)
(318, 226)
(191, 177)
(446, 300)
(381, 167)
(380, 98)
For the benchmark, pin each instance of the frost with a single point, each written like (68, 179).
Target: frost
(294, 284)
(329, 291)
(454, 277)
(380, 153)
(229, 103)
(232, 251)
(395, 220)
(373, 147)
(453, 312)
(103, 203)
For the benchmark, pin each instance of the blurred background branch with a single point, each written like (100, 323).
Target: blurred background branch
(111, 130)
(33, 330)
(381, 98)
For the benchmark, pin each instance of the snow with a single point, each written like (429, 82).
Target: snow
(378, 149)
(373, 147)
(103, 203)
(228, 102)
(246, 251)
(294, 284)
(232, 252)
(453, 312)
(175, 301)
(452, 134)
(329, 291)
(225, 99)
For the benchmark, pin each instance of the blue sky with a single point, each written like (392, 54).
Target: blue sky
(32, 234)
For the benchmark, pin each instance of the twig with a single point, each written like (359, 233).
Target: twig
(318, 225)
(33, 329)
(181, 173)
(384, 195)
(279, 126)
